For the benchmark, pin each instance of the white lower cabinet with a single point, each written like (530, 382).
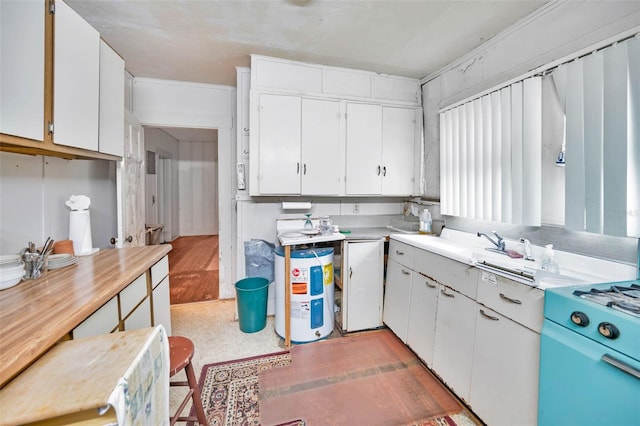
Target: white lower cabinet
(422, 317)
(504, 381)
(140, 317)
(161, 306)
(363, 284)
(103, 321)
(397, 294)
(480, 333)
(455, 332)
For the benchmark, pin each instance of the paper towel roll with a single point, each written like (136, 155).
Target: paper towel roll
(80, 232)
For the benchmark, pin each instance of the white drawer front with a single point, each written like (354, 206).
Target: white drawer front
(457, 275)
(159, 271)
(520, 302)
(102, 321)
(401, 253)
(133, 294)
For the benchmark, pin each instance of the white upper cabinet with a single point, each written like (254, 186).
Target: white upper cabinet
(76, 80)
(364, 149)
(111, 124)
(278, 167)
(320, 130)
(381, 144)
(22, 68)
(398, 150)
(322, 165)
(299, 147)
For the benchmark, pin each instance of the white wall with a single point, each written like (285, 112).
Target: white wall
(556, 30)
(198, 188)
(165, 103)
(33, 190)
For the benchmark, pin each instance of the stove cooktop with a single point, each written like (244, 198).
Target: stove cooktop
(623, 298)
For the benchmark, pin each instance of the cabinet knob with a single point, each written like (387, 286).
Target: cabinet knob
(129, 239)
(113, 240)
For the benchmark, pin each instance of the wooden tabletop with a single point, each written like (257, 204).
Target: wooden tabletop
(74, 377)
(36, 314)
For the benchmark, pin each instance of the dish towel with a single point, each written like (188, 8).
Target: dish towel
(141, 396)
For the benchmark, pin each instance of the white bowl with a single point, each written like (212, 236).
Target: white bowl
(9, 269)
(9, 280)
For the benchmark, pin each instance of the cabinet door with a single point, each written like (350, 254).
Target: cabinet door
(364, 149)
(422, 317)
(102, 321)
(455, 332)
(397, 293)
(140, 317)
(279, 144)
(398, 141)
(363, 284)
(161, 305)
(76, 80)
(22, 68)
(322, 172)
(504, 383)
(111, 122)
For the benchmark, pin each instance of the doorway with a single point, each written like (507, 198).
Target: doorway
(183, 196)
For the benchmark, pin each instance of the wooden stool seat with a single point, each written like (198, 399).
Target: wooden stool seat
(181, 352)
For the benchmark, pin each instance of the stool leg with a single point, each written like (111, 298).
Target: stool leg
(197, 402)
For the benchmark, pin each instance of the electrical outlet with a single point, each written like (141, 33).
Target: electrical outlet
(356, 208)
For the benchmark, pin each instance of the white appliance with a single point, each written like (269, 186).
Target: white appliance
(312, 293)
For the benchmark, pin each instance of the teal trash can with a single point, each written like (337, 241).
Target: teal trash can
(251, 295)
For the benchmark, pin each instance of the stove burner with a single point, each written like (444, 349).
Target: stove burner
(624, 299)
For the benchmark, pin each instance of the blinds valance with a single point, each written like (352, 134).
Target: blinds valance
(490, 156)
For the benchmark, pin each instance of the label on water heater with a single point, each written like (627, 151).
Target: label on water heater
(300, 310)
(299, 275)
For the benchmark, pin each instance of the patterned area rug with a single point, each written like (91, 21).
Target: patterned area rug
(229, 390)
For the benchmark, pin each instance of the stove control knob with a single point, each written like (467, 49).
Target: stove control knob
(608, 330)
(579, 318)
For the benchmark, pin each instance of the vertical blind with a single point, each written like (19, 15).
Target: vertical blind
(491, 156)
(601, 95)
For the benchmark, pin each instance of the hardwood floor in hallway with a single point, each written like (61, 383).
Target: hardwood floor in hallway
(194, 269)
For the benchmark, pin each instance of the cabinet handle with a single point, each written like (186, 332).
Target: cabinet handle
(405, 272)
(384, 171)
(430, 285)
(304, 169)
(298, 168)
(401, 253)
(516, 301)
(446, 294)
(378, 170)
(486, 315)
(350, 272)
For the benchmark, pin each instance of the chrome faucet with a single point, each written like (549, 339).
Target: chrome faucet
(499, 243)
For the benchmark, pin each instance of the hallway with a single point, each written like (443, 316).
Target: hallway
(194, 269)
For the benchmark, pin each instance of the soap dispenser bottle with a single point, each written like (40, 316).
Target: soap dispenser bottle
(425, 222)
(549, 260)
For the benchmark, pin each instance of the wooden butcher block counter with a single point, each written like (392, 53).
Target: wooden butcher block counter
(36, 314)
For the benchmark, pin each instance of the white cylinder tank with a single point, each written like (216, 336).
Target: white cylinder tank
(312, 289)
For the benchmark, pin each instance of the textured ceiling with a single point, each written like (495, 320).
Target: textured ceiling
(204, 40)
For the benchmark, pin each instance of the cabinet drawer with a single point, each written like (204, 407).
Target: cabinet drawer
(457, 275)
(159, 271)
(401, 253)
(519, 302)
(133, 294)
(140, 318)
(102, 321)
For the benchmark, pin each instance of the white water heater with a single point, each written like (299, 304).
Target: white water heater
(312, 293)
